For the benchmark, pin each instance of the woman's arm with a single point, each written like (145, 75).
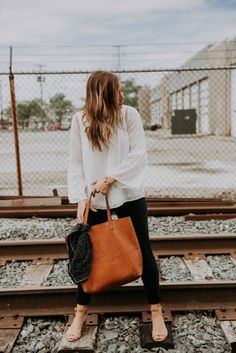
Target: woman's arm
(76, 186)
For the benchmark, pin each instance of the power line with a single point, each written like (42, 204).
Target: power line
(125, 71)
(107, 45)
(115, 54)
(115, 61)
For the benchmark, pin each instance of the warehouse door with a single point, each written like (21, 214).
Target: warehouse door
(194, 101)
(203, 106)
(179, 100)
(186, 97)
(233, 103)
(173, 103)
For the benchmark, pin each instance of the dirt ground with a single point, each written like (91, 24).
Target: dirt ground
(177, 166)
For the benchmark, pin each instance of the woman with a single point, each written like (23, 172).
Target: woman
(108, 154)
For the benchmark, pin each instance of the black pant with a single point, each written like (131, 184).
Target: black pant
(137, 210)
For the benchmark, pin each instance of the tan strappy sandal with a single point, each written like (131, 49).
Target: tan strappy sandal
(156, 336)
(69, 334)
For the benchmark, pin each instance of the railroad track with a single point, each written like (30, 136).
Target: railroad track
(191, 208)
(203, 292)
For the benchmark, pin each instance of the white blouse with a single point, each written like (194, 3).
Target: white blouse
(125, 159)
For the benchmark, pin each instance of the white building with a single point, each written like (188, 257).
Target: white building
(211, 92)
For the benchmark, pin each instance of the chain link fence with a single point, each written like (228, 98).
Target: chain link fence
(189, 118)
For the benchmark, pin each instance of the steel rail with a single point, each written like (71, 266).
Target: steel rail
(162, 245)
(207, 217)
(148, 198)
(153, 210)
(181, 295)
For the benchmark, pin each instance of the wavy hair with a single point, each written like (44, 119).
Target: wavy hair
(102, 109)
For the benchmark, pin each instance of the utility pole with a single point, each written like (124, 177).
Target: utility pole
(15, 126)
(41, 80)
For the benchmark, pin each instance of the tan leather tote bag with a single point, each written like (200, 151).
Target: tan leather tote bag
(117, 257)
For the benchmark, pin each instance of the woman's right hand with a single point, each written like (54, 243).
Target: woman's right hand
(82, 205)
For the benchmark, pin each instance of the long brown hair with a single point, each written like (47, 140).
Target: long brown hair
(102, 109)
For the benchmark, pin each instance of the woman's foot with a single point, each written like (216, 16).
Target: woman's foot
(74, 331)
(159, 330)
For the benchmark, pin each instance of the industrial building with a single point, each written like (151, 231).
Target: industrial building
(211, 93)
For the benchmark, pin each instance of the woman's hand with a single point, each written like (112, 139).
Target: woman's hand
(82, 205)
(102, 185)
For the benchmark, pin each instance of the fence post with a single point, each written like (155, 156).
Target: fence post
(14, 119)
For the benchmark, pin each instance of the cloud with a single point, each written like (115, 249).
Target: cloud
(105, 22)
(49, 21)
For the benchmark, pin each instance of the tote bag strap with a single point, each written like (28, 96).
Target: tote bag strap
(85, 220)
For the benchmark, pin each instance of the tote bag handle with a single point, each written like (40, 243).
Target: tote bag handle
(85, 220)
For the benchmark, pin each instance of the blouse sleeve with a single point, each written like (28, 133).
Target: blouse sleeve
(75, 174)
(130, 172)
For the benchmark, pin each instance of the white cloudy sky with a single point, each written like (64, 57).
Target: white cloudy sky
(77, 22)
(88, 34)
(178, 28)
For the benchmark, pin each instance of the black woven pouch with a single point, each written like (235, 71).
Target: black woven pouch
(79, 249)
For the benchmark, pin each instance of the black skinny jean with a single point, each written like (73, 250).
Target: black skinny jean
(137, 210)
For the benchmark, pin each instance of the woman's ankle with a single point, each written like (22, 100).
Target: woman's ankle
(156, 306)
(80, 307)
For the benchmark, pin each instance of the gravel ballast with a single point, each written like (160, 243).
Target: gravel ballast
(48, 228)
(193, 332)
(172, 268)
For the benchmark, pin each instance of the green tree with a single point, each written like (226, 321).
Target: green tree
(26, 109)
(38, 108)
(130, 91)
(61, 106)
(23, 113)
